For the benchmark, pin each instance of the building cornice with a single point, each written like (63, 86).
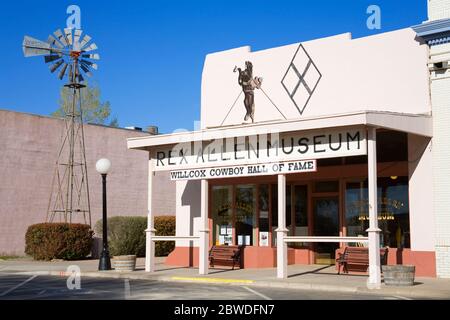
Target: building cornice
(434, 32)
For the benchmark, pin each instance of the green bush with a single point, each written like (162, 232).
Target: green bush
(126, 235)
(165, 226)
(47, 241)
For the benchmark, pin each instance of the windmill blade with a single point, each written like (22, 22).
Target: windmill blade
(60, 36)
(52, 57)
(53, 42)
(56, 65)
(68, 35)
(34, 43)
(63, 71)
(31, 52)
(33, 47)
(93, 56)
(76, 39)
(89, 63)
(80, 78)
(91, 47)
(85, 40)
(86, 69)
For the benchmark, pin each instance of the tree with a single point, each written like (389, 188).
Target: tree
(94, 110)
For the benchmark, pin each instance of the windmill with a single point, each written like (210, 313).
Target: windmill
(70, 56)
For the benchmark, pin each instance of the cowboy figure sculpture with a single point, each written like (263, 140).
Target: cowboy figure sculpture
(248, 84)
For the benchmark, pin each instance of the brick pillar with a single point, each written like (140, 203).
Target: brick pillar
(438, 9)
(440, 100)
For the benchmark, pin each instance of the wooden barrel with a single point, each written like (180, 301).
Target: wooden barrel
(399, 275)
(124, 263)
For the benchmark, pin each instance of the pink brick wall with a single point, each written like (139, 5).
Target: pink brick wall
(28, 149)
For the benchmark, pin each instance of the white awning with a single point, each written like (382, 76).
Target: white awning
(419, 124)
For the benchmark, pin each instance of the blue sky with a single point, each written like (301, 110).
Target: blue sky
(152, 52)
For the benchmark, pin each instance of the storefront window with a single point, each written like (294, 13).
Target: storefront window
(301, 211)
(300, 214)
(274, 214)
(275, 211)
(264, 215)
(393, 211)
(245, 215)
(222, 215)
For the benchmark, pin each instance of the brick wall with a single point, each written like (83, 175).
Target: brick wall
(28, 150)
(438, 9)
(440, 97)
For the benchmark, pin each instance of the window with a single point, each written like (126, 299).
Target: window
(222, 215)
(245, 215)
(264, 215)
(393, 211)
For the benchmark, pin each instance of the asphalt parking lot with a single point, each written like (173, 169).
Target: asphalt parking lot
(39, 287)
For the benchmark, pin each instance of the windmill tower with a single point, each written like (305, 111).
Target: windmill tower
(71, 56)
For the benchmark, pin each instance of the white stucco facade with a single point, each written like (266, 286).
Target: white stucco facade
(388, 83)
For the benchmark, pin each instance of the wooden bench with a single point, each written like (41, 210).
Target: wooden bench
(358, 257)
(225, 256)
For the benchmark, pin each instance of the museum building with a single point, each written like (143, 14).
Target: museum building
(308, 148)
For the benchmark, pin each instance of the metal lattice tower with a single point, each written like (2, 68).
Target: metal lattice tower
(69, 198)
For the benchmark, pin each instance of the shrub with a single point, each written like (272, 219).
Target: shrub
(126, 235)
(165, 226)
(47, 241)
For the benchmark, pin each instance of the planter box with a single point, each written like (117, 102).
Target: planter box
(124, 263)
(399, 275)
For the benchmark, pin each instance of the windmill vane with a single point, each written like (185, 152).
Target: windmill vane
(68, 51)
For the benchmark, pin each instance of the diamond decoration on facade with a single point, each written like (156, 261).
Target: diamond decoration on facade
(301, 79)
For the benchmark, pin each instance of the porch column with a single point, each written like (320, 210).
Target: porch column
(374, 281)
(150, 232)
(281, 230)
(204, 230)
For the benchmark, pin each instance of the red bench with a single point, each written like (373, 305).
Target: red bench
(225, 256)
(358, 258)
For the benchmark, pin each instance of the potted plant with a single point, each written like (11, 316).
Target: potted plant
(126, 238)
(124, 262)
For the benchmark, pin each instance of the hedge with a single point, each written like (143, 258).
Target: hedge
(126, 235)
(47, 241)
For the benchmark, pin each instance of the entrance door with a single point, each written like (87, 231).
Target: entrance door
(326, 223)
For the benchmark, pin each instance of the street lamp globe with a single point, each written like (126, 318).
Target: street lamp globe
(103, 166)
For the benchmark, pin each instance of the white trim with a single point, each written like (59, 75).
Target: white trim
(420, 124)
(174, 238)
(327, 239)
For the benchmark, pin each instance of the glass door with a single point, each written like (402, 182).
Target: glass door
(326, 223)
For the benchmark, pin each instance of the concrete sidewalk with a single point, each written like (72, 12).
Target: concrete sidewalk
(305, 277)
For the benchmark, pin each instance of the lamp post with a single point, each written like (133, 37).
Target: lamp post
(103, 166)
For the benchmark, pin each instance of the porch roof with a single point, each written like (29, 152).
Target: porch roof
(419, 124)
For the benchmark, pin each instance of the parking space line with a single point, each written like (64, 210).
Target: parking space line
(18, 286)
(257, 293)
(127, 289)
(402, 298)
(212, 280)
